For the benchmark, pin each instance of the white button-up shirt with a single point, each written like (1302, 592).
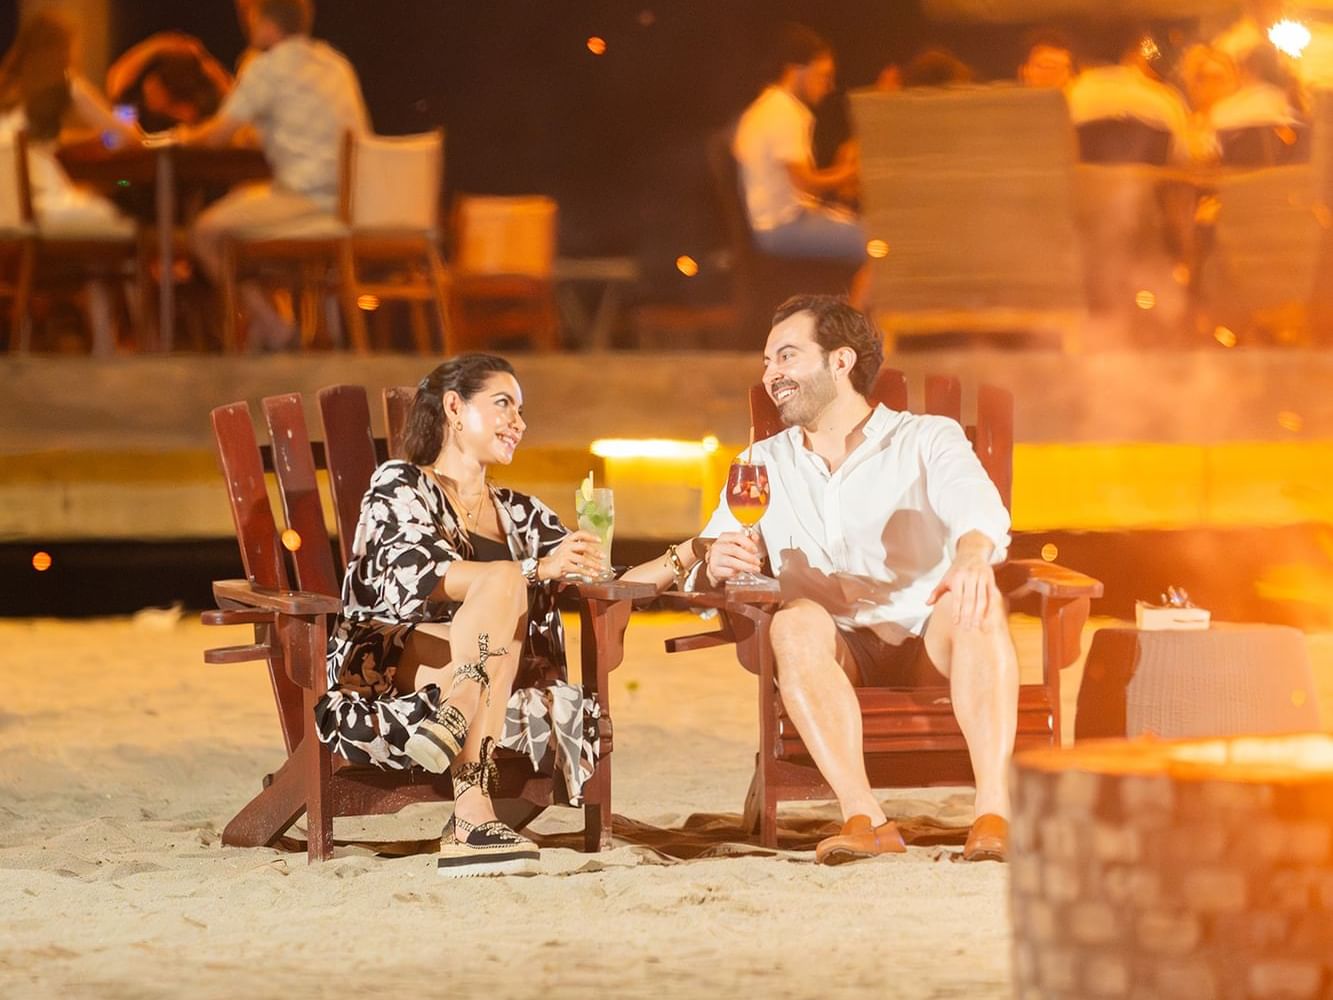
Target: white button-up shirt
(775, 130)
(871, 541)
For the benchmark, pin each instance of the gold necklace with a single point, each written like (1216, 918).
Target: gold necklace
(470, 516)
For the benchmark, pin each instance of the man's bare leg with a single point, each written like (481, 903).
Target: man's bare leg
(822, 702)
(982, 668)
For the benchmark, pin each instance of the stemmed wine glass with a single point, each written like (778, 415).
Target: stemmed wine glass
(747, 497)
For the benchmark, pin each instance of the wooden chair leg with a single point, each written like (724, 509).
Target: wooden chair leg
(312, 283)
(356, 321)
(20, 338)
(230, 303)
(420, 327)
(754, 799)
(319, 781)
(548, 330)
(439, 282)
(265, 817)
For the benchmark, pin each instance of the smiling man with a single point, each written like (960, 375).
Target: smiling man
(883, 529)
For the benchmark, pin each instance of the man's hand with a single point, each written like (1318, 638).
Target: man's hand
(732, 553)
(971, 579)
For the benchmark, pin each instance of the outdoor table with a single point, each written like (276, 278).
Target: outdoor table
(1226, 680)
(609, 275)
(170, 170)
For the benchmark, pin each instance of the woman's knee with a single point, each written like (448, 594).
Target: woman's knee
(501, 580)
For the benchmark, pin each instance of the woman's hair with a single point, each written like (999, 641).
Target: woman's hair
(466, 374)
(838, 324)
(38, 60)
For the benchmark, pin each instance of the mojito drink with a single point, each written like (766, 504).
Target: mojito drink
(596, 511)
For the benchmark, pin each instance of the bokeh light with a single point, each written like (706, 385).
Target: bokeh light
(368, 303)
(1181, 274)
(291, 540)
(1145, 299)
(41, 561)
(687, 265)
(1289, 37)
(597, 45)
(1225, 336)
(877, 249)
(1290, 420)
(1050, 552)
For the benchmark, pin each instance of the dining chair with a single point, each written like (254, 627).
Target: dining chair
(62, 255)
(391, 204)
(503, 284)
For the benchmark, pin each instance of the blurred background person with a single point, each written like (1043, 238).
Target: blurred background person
(1132, 91)
(1049, 60)
(936, 67)
(1250, 30)
(302, 96)
(774, 152)
(169, 79)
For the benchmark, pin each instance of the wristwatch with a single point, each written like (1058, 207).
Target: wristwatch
(529, 569)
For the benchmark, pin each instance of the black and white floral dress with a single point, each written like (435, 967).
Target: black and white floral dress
(406, 538)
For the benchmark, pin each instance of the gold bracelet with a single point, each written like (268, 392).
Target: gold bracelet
(677, 567)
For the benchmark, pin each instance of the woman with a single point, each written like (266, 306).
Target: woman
(437, 546)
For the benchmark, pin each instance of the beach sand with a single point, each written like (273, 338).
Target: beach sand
(122, 756)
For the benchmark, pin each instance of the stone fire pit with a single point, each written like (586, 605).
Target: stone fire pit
(1191, 870)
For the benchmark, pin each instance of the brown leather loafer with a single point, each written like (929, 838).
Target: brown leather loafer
(988, 840)
(858, 840)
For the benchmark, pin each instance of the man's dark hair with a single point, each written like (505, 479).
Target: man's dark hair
(838, 324)
(292, 17)
(1048, 37)
(798, 45)
(936, 68)
(423, 437)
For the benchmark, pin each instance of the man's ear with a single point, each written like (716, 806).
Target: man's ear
(844, 360)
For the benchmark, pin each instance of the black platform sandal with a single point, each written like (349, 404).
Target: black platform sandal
(437, 741)
(491, 848)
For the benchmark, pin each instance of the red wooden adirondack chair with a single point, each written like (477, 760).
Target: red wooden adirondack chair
(291, 624)
(911, 737)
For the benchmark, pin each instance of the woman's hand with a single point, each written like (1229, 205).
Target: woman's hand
(733, 553)
(579, 552)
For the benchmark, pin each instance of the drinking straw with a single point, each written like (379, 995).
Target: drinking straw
(749, 447)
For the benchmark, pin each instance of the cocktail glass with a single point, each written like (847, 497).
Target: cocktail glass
(597, 513)
(747, 497)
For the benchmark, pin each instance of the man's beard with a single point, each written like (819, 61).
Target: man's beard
(809, 400)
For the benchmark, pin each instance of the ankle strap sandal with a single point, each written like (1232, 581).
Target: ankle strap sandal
(477, 671)
(481, 772)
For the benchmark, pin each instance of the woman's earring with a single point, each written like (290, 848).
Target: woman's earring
(458, 425)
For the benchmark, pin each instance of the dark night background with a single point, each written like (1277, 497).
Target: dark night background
(618, 139)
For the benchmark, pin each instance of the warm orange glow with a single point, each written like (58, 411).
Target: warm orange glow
(1050, 552)
(596, 45)
(1298, 697)
(687, 265)
(877, 249)
(1289, 420)
(41, 561)
(1145, 299)
(291, 540)
(1181, 274)
(1225, 336)
(368, 303)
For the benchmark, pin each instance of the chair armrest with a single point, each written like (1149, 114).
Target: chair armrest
(236, 616)
(244, 594)
(731, 598)
(1022, 577)
(613, 590)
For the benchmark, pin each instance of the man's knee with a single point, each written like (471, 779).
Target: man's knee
(803, 638)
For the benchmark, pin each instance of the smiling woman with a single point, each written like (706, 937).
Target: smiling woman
(449, 609)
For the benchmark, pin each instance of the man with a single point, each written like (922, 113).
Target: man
(773, 149)
(301, 96)
(882, 530)
(1134, 89)
(1049, 62)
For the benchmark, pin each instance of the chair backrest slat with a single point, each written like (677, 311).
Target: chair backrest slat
(890, 388)
(944, 396)
(994, 438)
(294, 466)
(394, 182)
(397, 405)
(256, 531)
(349, 451)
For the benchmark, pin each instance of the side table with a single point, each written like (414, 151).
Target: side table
(1227, 680)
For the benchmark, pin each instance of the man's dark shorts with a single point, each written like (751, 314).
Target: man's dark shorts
(887, 656)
